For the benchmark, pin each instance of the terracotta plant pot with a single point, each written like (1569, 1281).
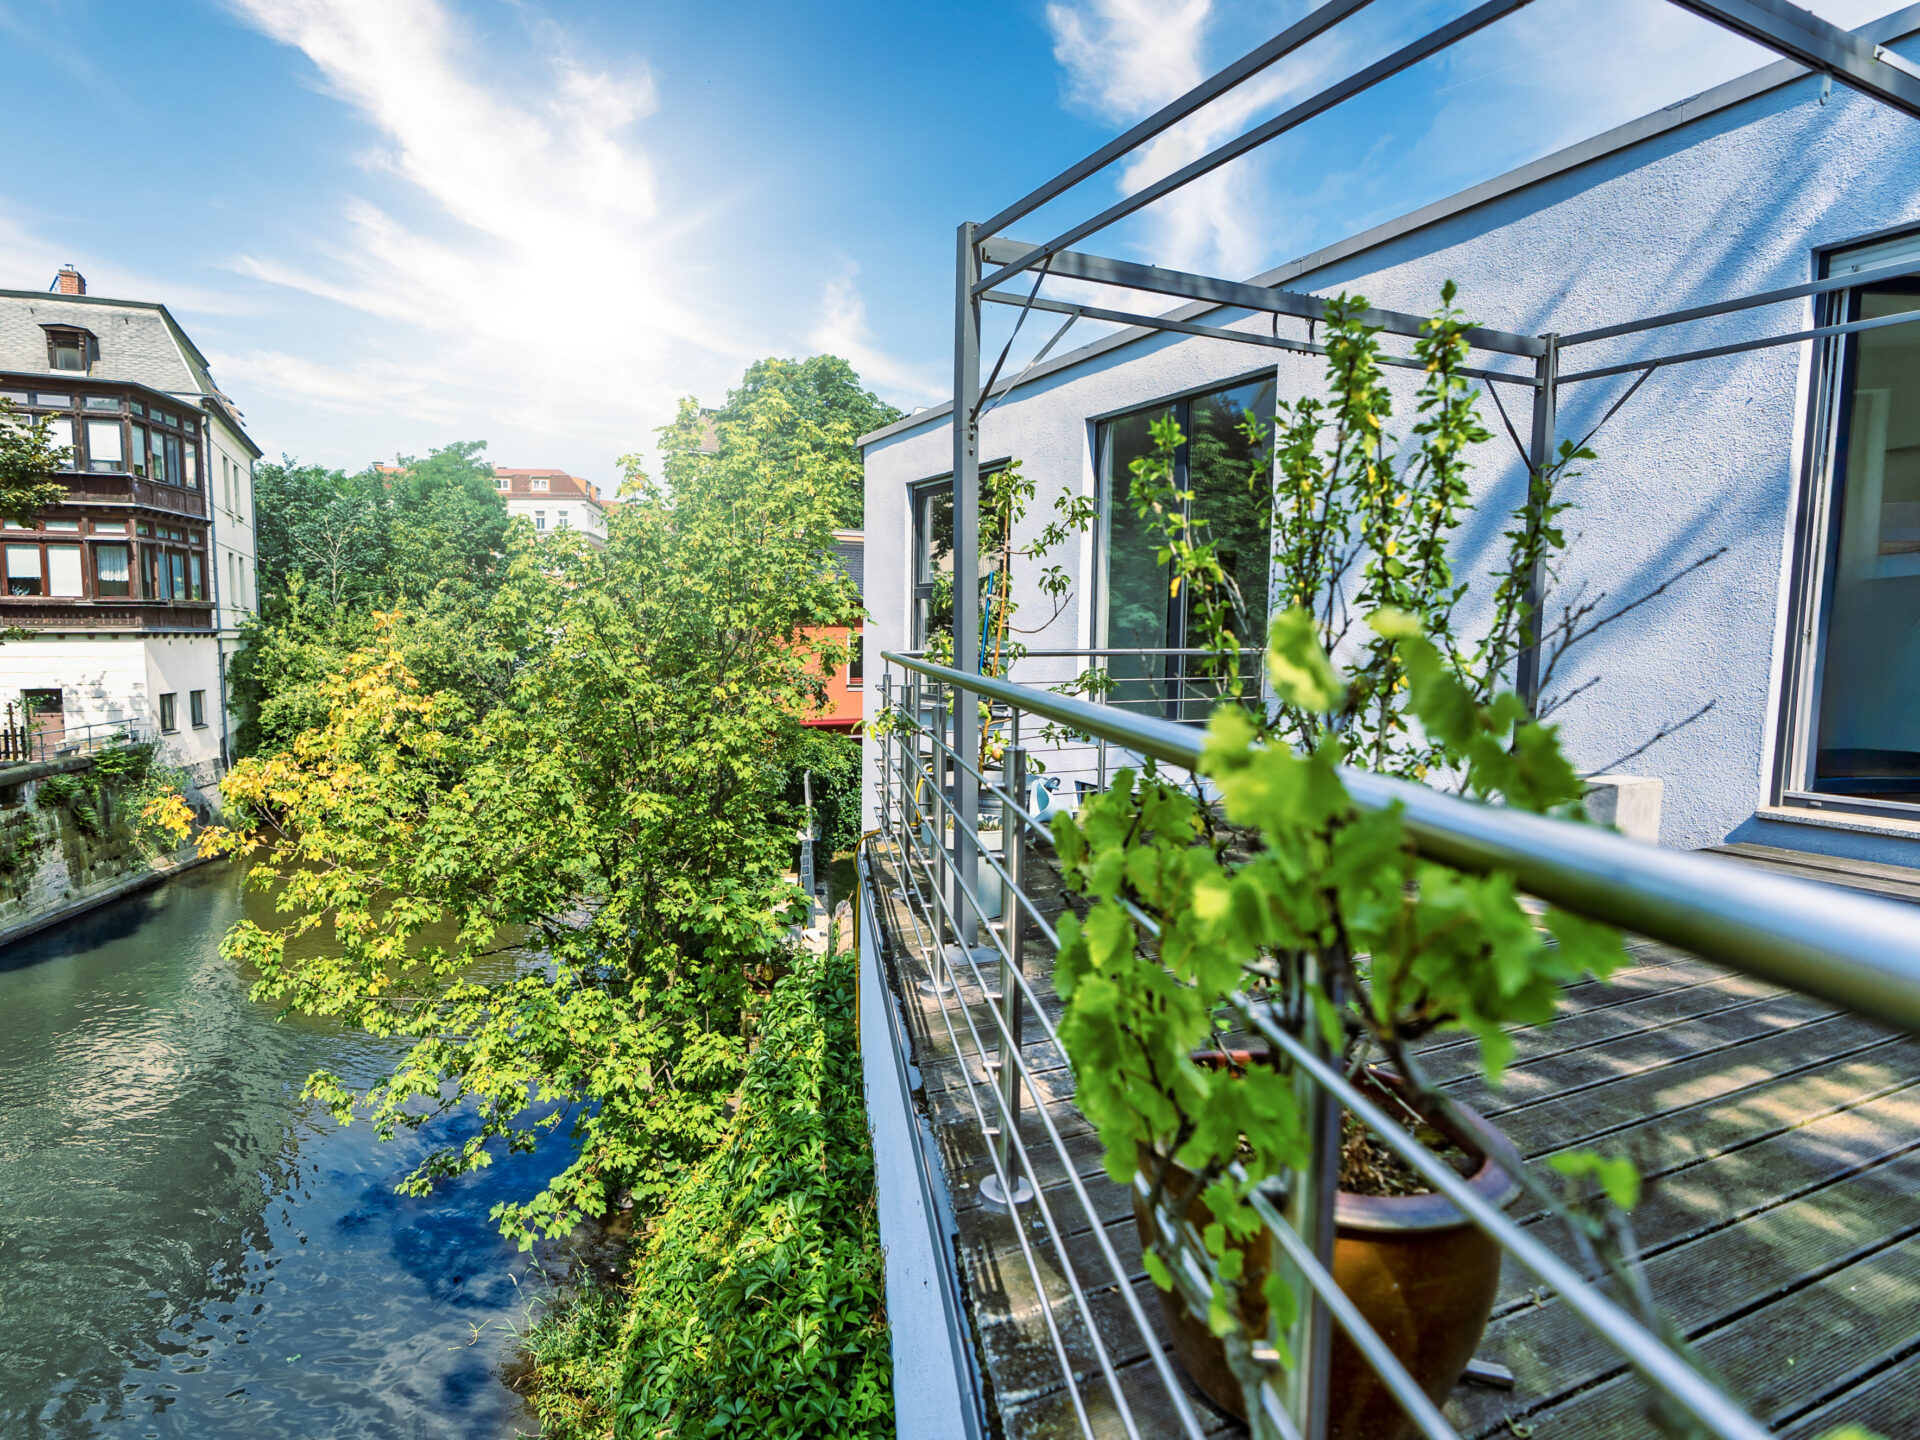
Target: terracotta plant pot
(1420, 1273)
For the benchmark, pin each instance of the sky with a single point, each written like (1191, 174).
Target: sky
(393, 224)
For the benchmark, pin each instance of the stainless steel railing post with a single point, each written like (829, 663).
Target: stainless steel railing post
(1013, 847)
(1312, 1195)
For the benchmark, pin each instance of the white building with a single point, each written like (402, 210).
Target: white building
(1797, 648)
(553, 500)
(133, 590)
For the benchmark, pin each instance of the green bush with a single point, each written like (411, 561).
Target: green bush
(756, 1302)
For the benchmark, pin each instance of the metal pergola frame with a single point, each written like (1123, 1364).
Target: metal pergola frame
(987, 259)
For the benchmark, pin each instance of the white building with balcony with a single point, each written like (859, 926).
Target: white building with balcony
(132, 591)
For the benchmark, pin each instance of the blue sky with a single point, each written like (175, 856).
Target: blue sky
(395, 223)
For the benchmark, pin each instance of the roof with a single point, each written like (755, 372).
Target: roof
(1898, 25)
(559, 483)
(140, 344)
(850, 548)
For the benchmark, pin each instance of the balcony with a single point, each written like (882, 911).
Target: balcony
(42, 612)
(87, 488)
(1757, 1059)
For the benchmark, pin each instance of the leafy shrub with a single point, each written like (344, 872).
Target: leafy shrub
(756, 1301)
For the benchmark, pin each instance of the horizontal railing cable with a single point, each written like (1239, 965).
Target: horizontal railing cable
(1859, 952)
(1013, 1053)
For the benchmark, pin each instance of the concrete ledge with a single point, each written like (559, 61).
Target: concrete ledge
(41, 769)
(163, 868)
(1841, 820)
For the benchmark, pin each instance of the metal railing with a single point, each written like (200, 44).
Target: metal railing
(1859, 953)
(24, 742)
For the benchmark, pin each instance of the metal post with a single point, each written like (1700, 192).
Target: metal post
(940, 963)
(1013, 847)
(1312, 1195)
(885, 816)
(966, 569)
(1546, 370)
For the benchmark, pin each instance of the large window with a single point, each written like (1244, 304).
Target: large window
(932, 561)
(1861, 683)
(1230, 479)
(23, 570)
(111, 575)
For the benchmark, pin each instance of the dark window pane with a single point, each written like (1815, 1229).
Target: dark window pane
(1868, 741)
(1139, 611)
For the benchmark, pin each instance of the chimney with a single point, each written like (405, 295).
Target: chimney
(70, 281)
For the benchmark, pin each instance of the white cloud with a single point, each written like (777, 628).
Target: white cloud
(842, 330)
(519, 269)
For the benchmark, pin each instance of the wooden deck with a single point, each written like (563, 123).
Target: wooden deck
(1780, 1142)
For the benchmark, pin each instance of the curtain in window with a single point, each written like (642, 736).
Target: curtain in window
(111, 573)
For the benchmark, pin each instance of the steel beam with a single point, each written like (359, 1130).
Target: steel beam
(1546, 422)
(1898, 271)
(1174, 111)
(1266, 299)
(1431, 44)
(1905, 317)
(1219, 332)
(1801, 35)
(966, 571)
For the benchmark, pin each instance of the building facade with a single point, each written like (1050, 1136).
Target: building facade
(1773, 686)
(553, 500)
(846, 686)
(133, 589)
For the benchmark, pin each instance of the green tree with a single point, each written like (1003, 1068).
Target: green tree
(28, 462)
(447, 523)
(822, 411)
(618, 804)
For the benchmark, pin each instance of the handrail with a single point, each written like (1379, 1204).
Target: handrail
(1858, 952)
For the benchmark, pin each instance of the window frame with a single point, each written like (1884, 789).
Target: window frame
(197, 709)
(170, 713)
(1816, 526)
(1179, 403)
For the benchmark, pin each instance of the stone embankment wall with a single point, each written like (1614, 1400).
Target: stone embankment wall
(54, 862)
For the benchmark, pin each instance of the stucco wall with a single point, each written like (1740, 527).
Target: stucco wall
(1704, 456)
(115, 678)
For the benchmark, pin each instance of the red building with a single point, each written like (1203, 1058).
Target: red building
(842, 710)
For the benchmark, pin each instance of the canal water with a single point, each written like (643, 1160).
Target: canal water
(189, 1249)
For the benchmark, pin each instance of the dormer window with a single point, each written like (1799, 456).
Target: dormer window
(70, 348)
(540, 483)
(502, 482)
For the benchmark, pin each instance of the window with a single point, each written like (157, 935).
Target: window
(1231, 498)
(563, 521)
(165, 419)
(540, 484)
(539, 519)
(157, 588)
(103, 445)
(179, 565)
(63, 570)
(170, 472)
(139, 449)
(197, 708)
(101, 402)
(110, 573)
(138, 408)
(67, 525)
(169, 719)
(502, 482)
(23, 570)
(53, 402)
(70, 348)
(109, 527)
(856, 664)
(191, 455)
(60, 434)
(196, 579)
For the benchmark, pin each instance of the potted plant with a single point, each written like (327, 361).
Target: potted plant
(1277, 888)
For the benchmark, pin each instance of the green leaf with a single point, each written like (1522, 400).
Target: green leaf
(1617, 1177)
(1299, 669)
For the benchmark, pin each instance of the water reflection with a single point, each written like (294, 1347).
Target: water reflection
(186, 1249)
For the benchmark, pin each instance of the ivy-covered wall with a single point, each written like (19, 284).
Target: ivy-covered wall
(68, 835)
